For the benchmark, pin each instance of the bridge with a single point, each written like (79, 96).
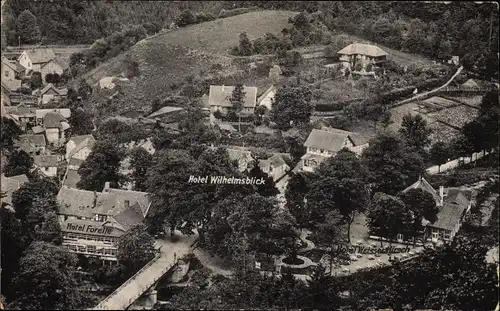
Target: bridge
(146, 278)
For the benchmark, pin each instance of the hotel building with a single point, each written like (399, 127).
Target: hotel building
(92, 222)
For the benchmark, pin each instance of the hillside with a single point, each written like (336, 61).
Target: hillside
(222, 34)
(197, 49)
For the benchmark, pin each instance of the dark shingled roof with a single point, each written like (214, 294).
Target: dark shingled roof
(46, 160)
(53, 120)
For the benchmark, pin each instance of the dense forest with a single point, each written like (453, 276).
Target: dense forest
(436, 30)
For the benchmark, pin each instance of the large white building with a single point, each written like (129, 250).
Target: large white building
(92, 222)
(219, 96)
(325, 143)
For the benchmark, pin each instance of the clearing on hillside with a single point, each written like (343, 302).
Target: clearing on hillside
(220, 35)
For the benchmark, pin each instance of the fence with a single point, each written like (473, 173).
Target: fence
(50, 46)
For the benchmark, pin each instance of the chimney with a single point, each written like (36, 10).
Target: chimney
(126, 203)
(106, 187)
(441, 195)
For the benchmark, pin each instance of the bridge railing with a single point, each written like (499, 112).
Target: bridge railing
(132, 278)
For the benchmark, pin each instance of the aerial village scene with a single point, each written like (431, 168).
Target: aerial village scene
(249, 155)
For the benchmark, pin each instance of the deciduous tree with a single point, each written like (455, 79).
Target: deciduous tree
(422, 206)
(389, 216)
(101, 166)
(135, 248)
(18, 163)
(47, 279)
(291, 106)
(27, 27)
(340, 185)
(140, 162)
(440, 153)
(391, 165)
(81, 122)
(10, 133)
(415, 132)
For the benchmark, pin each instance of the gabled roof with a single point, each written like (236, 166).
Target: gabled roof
(11, 85)
(328, 140)
(82, 141)
(449, 216)
(50, 86)
(274, 161)
(53, 120)
(267, 103)
(424, 185)
(111, 202)
(38, 56)
(65, 112)
(220, 94)
(37, 140)
(141, 198)
(357, 138)
(471, 83)
(15, 66)
(240, 155)
(164, 110)
(38, 129)
(226, 127)
(59, 61)
(71, 178)
(10, 184)
(362, 49)
(46, 160)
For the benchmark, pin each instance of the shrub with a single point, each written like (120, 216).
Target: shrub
(228, 13)
(204, 17)
(186, 18)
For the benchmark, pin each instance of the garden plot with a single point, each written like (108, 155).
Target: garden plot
(474, 101)
(440, 102)
(442, 132)
(456, 117)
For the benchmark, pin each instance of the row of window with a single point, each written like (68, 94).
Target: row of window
(441, 235)
(89, 237)
(91, 249)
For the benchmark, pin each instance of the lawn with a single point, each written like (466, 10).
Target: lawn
(220, 35)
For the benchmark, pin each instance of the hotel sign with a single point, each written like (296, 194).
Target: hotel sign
(89, 229)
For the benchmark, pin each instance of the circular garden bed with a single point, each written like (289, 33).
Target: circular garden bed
(292, 261)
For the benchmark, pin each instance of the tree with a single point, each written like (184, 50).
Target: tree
(81, 122)
(275, 73)
(245, 46)
(291, 105)
(101, 166)
(340, 185)
(140, 162)
(156, 105)
(415, 132)
(439, 154)
(186, 18)
(27, 27)
(237, 100)
(445, 50)
(47, 279)
(10, 133)
(392, 166)
(35, 81)
(323, 291)
(12, 247)
(135, 248)
(84, 90)
(18, 163)
(295, 193)
(268, 189)
(389, 216)
(50, 229)
(422, 206)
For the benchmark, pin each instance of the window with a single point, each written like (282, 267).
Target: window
(6, 73)
(91, 249)
(447, 235)
(82, 248)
